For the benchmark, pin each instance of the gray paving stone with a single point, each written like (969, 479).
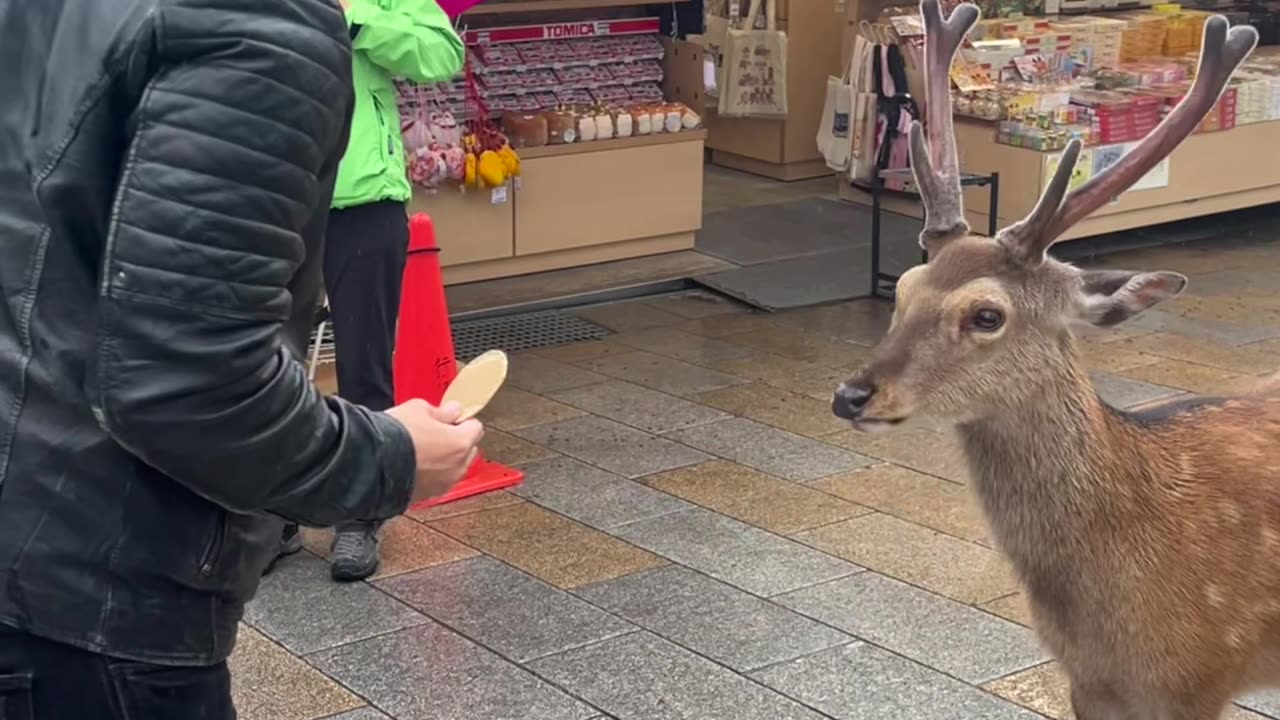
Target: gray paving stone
(539, 375)
(504, 609)
(857, 681)
(664, 374)
(863, 322)
(698, 304)
(639, 407)
(364, 713)
(299, 606)
(696, 349)
(592, 496)
(1123, 393)
(643, 677)
(613, 446)
(432, 673)
(771, 450)
(739, 554)
(628, 315)
(1234, 282)
(945, 635)
(711, 618)
(1266, 702)
(1215, 332)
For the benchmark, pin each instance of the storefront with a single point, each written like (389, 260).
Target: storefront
(610, 164)
(1027, 83)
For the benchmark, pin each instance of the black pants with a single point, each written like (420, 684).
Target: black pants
(364, 257)
(43, 680)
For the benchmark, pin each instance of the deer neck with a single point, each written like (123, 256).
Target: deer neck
(1043, 470)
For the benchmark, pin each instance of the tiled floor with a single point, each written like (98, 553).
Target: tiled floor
(697, 538)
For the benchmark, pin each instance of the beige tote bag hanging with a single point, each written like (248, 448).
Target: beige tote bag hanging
(718, 22)
(834, 132)
(755, 67)
(862, 123)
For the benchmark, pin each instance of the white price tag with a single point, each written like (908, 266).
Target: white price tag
(515, 183)
(499, 195)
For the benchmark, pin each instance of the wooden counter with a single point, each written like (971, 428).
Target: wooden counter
(1209, 173)
(577, 204)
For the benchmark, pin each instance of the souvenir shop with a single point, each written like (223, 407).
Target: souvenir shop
(580, 130)
(1037, 73)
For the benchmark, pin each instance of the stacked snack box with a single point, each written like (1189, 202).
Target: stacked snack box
(1149, 73)
(1184, 29)
(1101, 37)
(1046, 43)
(1221, 117)
(1118, 116)
(1081, 31)
(1019, 28)
(1108, 40)
(1123, 75)
(1253, 98)
(1143, 36)
(543, 74)
(1266, 72)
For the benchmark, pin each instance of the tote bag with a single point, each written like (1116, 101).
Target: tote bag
(834, 130)
(862, 123)
(755, 67)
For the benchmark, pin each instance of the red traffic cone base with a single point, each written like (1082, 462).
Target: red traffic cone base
(424, 363)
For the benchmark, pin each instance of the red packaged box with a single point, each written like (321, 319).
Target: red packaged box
(1227, 115)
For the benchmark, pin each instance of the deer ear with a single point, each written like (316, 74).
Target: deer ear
(1109, 297)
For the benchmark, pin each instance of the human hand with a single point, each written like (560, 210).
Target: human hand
(444, 450)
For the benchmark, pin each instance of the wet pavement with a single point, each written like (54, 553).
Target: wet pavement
(697, 537)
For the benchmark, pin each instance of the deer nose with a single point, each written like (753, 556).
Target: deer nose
(851, 399)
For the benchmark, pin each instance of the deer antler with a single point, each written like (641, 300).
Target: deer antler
(940, 184)
(1020, 238)
(1220, 54)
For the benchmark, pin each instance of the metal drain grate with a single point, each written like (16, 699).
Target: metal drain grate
(510, 333)
(526, 331)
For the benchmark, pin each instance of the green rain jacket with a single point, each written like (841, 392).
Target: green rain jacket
(413, 39)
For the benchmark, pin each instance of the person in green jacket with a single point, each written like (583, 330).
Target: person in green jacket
(368, 235)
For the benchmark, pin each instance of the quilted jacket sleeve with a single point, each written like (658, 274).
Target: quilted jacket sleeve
(244, 117)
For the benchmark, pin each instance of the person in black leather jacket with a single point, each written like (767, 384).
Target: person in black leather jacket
(166, 168)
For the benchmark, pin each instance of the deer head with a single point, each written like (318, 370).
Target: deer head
(987, 322)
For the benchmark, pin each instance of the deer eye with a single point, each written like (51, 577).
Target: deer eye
(987, 320)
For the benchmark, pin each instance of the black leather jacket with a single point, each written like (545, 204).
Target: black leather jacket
(165, 172)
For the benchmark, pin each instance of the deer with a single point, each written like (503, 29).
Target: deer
(1147, 541)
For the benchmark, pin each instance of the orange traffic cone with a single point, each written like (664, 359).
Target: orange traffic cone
(424, 364)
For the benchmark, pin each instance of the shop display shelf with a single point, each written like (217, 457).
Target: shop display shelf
(525, 6)
(637, 141)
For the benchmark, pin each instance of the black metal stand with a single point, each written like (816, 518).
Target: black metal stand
(882, 282)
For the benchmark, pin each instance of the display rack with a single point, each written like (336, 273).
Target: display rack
(561, 31)
(501, 7)
(1209, 173)
(883, 283)
(785, 149)
(1213, 171)
(578, 203)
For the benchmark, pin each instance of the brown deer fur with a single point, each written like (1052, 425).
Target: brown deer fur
(1148, 541)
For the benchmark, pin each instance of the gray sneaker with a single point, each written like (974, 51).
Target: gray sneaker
(355, 551)
(290, 544)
